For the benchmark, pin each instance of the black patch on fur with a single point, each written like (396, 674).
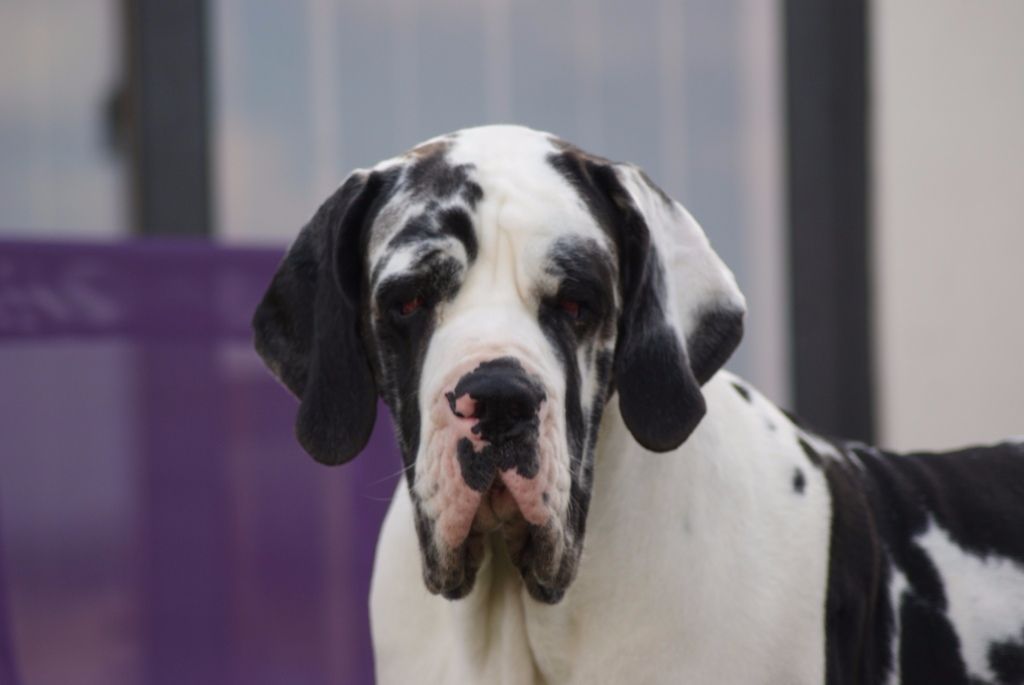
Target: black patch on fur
(586, 275)
(1006, 659)
(562, 337)
(456, 222)
(416, 230)
(798, 481)
(472, 193)
(858, 619)
(426, 228)
(743, 392)
(431, 175)
(401, 341)
(881, 503)
(929, 647)
(477, 471)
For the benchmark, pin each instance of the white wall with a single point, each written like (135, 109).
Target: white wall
(949, 220)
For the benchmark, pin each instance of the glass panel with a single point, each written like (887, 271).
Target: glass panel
(690, 91)
(159, 522)
(60, 170)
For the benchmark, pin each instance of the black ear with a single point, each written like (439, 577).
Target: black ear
(307, 327)
(682, 313)
(659, 397)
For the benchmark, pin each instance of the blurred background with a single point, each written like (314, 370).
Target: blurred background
(859, 165)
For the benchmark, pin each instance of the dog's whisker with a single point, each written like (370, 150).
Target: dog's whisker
(400, 472)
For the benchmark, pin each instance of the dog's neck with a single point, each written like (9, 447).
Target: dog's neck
(650, 516)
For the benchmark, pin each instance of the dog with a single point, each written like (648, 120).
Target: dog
(588, 496)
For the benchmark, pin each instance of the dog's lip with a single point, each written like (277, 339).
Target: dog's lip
(498, 508)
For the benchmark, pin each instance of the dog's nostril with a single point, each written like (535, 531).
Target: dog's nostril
(464, 406)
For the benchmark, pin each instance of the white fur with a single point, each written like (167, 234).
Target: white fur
(985, 596)
(700, 566)
(897, 586)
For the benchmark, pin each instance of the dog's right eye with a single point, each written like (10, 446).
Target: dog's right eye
(404, 300)
(571, 308)
(411, 306)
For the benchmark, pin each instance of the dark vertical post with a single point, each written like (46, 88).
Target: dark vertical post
(827, 124)
(186, 540)
(168, 115)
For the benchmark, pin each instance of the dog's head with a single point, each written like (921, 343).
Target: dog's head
(495, 287)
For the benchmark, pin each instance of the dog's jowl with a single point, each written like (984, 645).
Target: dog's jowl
(589, 498)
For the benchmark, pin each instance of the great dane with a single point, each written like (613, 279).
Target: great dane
(588, 497)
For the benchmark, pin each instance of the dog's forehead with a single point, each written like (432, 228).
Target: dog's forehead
(486, 180)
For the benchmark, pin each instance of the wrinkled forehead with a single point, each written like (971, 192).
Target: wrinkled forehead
(465, 193)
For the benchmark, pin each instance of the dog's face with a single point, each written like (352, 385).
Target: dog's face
(495, 287)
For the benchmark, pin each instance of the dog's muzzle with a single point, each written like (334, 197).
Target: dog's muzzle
(492, 467)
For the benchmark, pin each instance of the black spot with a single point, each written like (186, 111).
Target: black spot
(432, 176)
(793, 418)
(418, 229)
(812, 455)
(798, 481)
(1006, 659)
(743, 392)
(472, 193)
(477, 469)
(929, 647)
(563, 340)
(427, 227)
(456, 222)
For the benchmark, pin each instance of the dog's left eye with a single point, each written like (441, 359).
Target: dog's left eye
(572, 308)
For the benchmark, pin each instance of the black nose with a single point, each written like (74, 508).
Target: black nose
(505, 400)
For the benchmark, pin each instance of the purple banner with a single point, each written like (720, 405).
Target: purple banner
(158, 522)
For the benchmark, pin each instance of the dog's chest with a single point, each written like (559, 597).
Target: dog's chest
(700, 566)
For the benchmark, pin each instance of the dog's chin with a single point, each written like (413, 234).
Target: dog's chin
(539, 553)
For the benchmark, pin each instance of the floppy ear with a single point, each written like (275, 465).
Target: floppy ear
(682, 312)
(307, 327)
